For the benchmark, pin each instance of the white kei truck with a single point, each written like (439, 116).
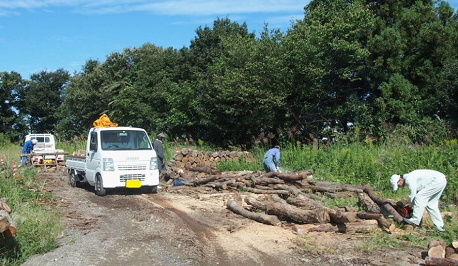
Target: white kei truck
(45, 152)
(115, 157)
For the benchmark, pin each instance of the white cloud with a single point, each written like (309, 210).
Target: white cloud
(176, 7)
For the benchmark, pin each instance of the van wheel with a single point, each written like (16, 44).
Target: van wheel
(99, 190)
(72, 179)
(150, 189)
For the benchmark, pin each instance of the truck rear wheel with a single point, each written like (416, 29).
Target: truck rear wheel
(99, 190)
(72, 179)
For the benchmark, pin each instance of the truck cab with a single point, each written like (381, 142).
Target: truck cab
(120, 157)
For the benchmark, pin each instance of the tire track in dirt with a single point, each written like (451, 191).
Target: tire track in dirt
(209, 235)
(202, 231)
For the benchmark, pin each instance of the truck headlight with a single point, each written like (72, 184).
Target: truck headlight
(108, 164)
(153, 163)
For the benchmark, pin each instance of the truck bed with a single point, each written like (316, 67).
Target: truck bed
(76, 162)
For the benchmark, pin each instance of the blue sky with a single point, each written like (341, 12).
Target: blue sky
(38, 35)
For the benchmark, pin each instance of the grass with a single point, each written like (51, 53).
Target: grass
(358, 163)
(38, 228)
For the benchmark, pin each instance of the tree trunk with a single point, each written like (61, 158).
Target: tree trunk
(384, 203)
(259, 217)
(291, 212)
(365, 226)
(440, 261)
(382, 222)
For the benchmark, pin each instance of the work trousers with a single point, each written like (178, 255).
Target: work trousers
(428, 198)
(269, 165)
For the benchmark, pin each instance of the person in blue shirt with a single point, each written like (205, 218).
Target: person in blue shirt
(27, 149)
(426, 187)
(272, 159)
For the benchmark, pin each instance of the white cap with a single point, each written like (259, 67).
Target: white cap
(34, 141)
(394, 181)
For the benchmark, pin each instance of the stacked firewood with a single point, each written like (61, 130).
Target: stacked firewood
(7, 225)
(188, 158)
(79, 153)
(292, 197)
(439, 253)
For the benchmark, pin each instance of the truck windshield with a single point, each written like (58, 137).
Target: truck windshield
(125, 140)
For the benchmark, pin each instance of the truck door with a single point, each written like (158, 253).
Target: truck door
(92, 158)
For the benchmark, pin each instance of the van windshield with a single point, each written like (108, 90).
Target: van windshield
(125, 140)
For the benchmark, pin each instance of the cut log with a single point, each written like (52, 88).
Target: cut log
(455, 244)
(368, 204)
(259, 217)
(206, 169)
(365, 226)
(5, 205)
(290, 177)
(386, 204)
(440, 261)
(449, 251)
(7, 224)
(4, 224)
(438, 242)
(266, 191)
(205, 180)
(264, 181)
(340, 217)
(290, 212)
(436, 249)
(325, 186)
(304, 202)
(382, 222)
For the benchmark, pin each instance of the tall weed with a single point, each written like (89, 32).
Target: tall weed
(38, 228)
(361, 163)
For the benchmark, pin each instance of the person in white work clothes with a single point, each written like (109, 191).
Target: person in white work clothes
(426, 187)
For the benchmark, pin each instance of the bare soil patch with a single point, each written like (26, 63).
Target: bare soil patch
(190, 227)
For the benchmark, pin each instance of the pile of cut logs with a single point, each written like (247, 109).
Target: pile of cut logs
(188, 158)
(7, 225)
(290, 197)
(439, 253)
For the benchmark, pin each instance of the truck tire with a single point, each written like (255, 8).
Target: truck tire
(99, 190)
(150, 189)
(72, 179)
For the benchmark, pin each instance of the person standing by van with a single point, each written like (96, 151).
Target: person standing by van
(159, 148)
(27, 149)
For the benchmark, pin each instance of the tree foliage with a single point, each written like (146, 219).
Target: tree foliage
(349, 69)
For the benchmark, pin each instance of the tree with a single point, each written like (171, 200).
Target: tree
(40, 100)
(327, 54)
(11, 124)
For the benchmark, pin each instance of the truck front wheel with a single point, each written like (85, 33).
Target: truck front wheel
(150, 189)
(99, 190)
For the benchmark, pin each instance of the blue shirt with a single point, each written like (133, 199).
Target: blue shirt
(28, 147)
(273, 154)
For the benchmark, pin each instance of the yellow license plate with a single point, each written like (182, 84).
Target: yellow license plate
(48, 161)
(133, 183)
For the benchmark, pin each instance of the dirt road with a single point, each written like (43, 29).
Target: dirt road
(187, 227)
